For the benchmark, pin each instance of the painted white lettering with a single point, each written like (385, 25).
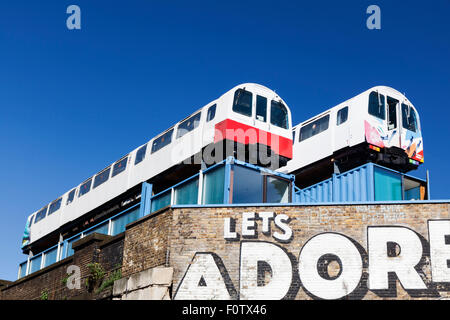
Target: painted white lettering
(350, 263)
(381, 263)
(202, 281)
(252, 253)
(439, 237)
(281, 221)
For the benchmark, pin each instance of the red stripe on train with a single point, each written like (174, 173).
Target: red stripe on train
(245, 134)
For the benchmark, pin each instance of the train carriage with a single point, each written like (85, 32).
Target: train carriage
(379, 125)
(247, 114)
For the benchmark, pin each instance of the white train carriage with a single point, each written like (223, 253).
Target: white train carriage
(379, 125)
(247, 106)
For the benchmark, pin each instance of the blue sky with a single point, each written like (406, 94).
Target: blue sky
(74, 101)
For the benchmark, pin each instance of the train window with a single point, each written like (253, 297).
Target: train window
(392, 113)
(102, 177)
(211, 113)
(70, 196)
(140, 154)
(40, 215)
(188, 125)
(119, 166)
(314, 128)
(376, 105)
(409, 118)
(162, 141)
(279, 115)
(85, 187)
(261, 108)
(342, 116)
(293, 137)
(243, 102)
(54, 206)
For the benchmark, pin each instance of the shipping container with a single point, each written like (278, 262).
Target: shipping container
(369, 182)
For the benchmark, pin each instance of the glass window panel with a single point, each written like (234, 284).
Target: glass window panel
(409, 118)
(412, 194)
(188, 125)
(119, 166)
(35, 263)
(102, 177)
(213, 186)
(277, 190)
(40, 215)
(54, 206)
(71, 196)
(377, 105)
(119, 223)
(187, 193)
(314, 128)
(247, 185)
(50, 257)
(162, 141)
(211, 113)
(23, 269)
(342, 116)
(85, 187)
(161, 201)
(392, 113)
(279, 115)
(242, 103)
(69, 246)
(261, 108)
(103, 229)
(140, 154)
(388, 185)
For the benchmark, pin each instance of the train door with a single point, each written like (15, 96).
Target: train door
(393, 128)
(209, 125)
(341, 134)
(261, 121)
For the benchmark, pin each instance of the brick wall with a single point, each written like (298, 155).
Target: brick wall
(245, 262)
(103, 249)
(196, 231)
(146, 242)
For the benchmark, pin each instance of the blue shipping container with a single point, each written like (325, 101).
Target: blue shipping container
(369, 182)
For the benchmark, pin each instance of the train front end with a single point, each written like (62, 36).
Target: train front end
(256, 127)
(392, 130)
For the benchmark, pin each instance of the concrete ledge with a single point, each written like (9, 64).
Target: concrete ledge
(150, 284)
(4, 283)
(93, 237)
